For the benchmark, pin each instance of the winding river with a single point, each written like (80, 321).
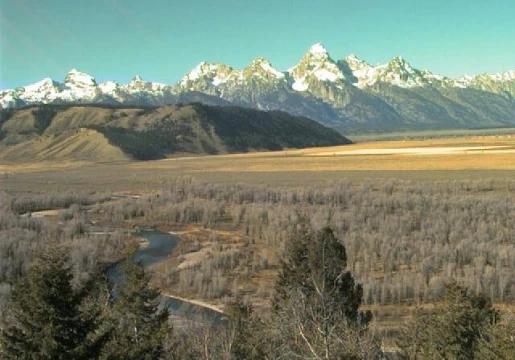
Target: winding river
(160, 246)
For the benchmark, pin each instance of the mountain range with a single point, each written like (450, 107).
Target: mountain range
(347, 94)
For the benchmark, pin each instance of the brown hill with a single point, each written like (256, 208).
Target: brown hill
(107, 133)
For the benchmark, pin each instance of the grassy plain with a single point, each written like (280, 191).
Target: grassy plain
(477, 157)
(428, 134)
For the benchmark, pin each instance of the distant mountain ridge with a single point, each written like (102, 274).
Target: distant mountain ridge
(114, 132)
(347, 93)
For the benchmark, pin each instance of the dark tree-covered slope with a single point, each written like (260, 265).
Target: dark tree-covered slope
(109, 132)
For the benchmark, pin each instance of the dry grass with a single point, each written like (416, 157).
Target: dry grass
(83, 145)
(289, 167)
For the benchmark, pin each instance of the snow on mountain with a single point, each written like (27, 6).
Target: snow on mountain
(363, 72)
(462, 82)
(502, 83)
(10, 99)
(43, 91)
(79, 86)
(137, 84)
(109, 87)
(316, 74)
(315, 64)
(484, 81)
(79, 79)
(261, 68)
(113, 90)
(400, 73)
(505, 76)
(210, 74)
(397, 72)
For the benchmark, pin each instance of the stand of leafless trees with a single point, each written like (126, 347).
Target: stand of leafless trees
(404, 239)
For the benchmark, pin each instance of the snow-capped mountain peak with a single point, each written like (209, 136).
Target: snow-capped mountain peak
(505, 76)
(44, 85)
(213, 71)
(109, 87)
(317, 74)
(356, 64)
(201, 70)
(78, 78)
(316, 54)
(262, 68)
(399, 72)
(207, 75)
(401, 64)
(362, 71)
(137, 84)
(43, 91)
(352, 58)
(315, 64)
(318, 49)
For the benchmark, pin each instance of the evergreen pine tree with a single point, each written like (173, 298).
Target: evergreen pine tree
(498, 343)
(46, 318)
(139, 327)
(317, 300)
(249, 332)
(315, 265)
(452, 331)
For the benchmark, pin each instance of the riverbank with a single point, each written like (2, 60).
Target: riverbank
(194, 302)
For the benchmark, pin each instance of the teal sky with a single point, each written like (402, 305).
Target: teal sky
(162, 40)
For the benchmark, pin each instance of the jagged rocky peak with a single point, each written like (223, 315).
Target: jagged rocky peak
(505, 76)
(354, 63)
(137, 79)
(108, 87)
(78, 78)
(208, 74)
(315, 56)
(315, 65)
(261, 67)
(400, 64)
(318, 50)
(316, 73)
(138, 84)
(42, 86)
(352, 59)
(509, 75)
(205, 69)
(399, 72)
(43, 91)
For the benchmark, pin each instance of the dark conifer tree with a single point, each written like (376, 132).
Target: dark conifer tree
(317, 301)
(139, 326)
(249, 332)
(454, 330)
(316, 263)
(47, 317)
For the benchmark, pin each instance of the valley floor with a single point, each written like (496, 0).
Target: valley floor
(482, 158)
(461, 158)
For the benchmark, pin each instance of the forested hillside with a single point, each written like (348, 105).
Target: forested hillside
(104, 133)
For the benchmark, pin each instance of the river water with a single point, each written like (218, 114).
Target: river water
(160, 246)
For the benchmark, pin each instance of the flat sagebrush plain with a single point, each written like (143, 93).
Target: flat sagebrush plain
(465, 158)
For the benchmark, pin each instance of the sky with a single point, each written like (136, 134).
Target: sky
(162, 40)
